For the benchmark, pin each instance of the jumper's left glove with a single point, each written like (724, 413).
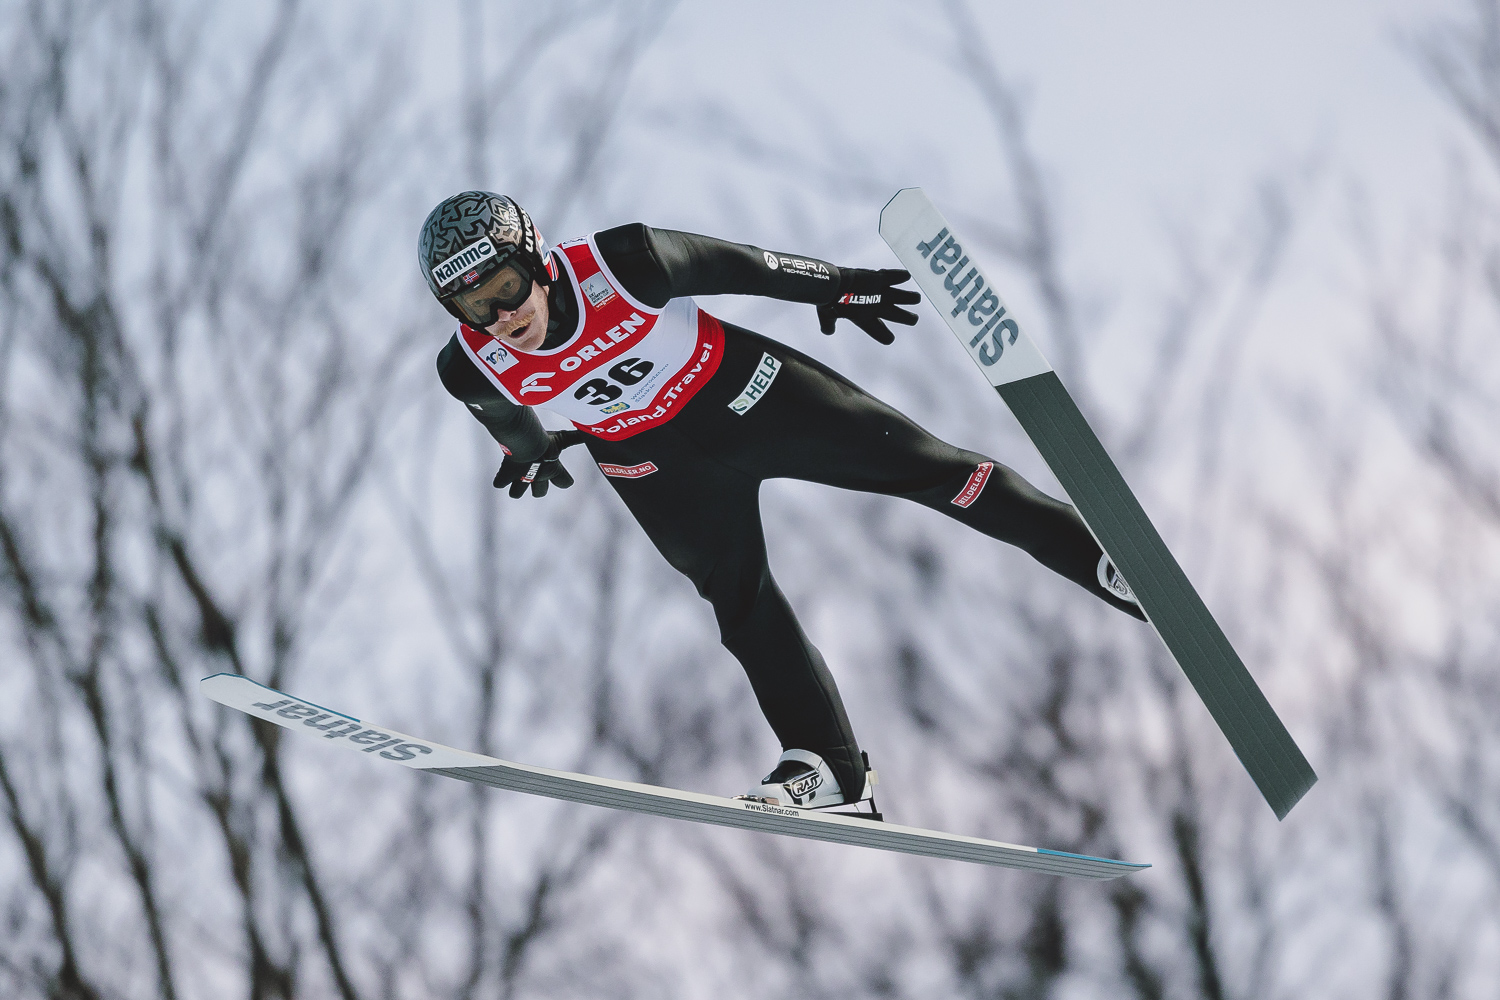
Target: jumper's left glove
(867, 299)
(544, 470)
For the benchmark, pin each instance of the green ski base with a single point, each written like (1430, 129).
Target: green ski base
(1071, 449)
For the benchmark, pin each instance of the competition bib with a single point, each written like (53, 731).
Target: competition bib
(627, 367)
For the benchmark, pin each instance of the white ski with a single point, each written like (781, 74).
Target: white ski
(304, 717)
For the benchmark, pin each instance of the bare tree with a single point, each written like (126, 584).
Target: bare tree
(191, 407)
(1414, 607)
(194, 406)
(1049, 722)
(139, 403)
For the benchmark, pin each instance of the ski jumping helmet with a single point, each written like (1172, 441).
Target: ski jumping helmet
(480, 253)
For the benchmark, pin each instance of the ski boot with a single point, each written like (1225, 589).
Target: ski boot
(804, 780)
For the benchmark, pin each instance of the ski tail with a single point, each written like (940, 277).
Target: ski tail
(942, 264)
(1186, 626)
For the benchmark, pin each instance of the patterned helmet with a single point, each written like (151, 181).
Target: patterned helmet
(466, 244)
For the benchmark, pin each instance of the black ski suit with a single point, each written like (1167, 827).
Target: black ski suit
(701, 506)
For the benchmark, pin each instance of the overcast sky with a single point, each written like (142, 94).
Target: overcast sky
(1146, 115)
(1136, 105)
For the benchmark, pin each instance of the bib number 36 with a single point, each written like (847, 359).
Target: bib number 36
(597, 391)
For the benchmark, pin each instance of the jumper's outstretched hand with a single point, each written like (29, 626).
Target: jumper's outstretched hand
(867, 299)
(541, 472)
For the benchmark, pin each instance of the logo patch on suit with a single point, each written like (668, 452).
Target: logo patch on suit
(975, 485)
(597, 289)
(627, 471)
(765, 374)
(497, 357)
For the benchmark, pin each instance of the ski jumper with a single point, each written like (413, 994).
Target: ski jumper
(688, 426)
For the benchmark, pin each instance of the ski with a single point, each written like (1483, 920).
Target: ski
(242, 694)
(970, 305)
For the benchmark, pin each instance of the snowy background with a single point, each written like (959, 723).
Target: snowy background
(1260, 243)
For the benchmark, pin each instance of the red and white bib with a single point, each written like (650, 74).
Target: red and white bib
(627, 368)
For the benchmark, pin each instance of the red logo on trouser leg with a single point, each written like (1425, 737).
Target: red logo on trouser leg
(975, 485)
(627, 471)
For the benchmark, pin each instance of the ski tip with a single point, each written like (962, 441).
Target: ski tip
(897, 195)
(228, 689)
(1133, 865)
(894, 198)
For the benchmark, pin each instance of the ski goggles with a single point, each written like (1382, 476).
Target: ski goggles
(505, 287)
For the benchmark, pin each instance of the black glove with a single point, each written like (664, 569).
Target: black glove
(539, 473)
(867, 299)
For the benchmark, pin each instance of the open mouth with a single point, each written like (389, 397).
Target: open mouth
(516, 324)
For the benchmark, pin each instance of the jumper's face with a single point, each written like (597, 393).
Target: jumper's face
(524, 328)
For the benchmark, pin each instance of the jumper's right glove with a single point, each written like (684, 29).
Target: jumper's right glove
(867, 299)
(539, 473)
